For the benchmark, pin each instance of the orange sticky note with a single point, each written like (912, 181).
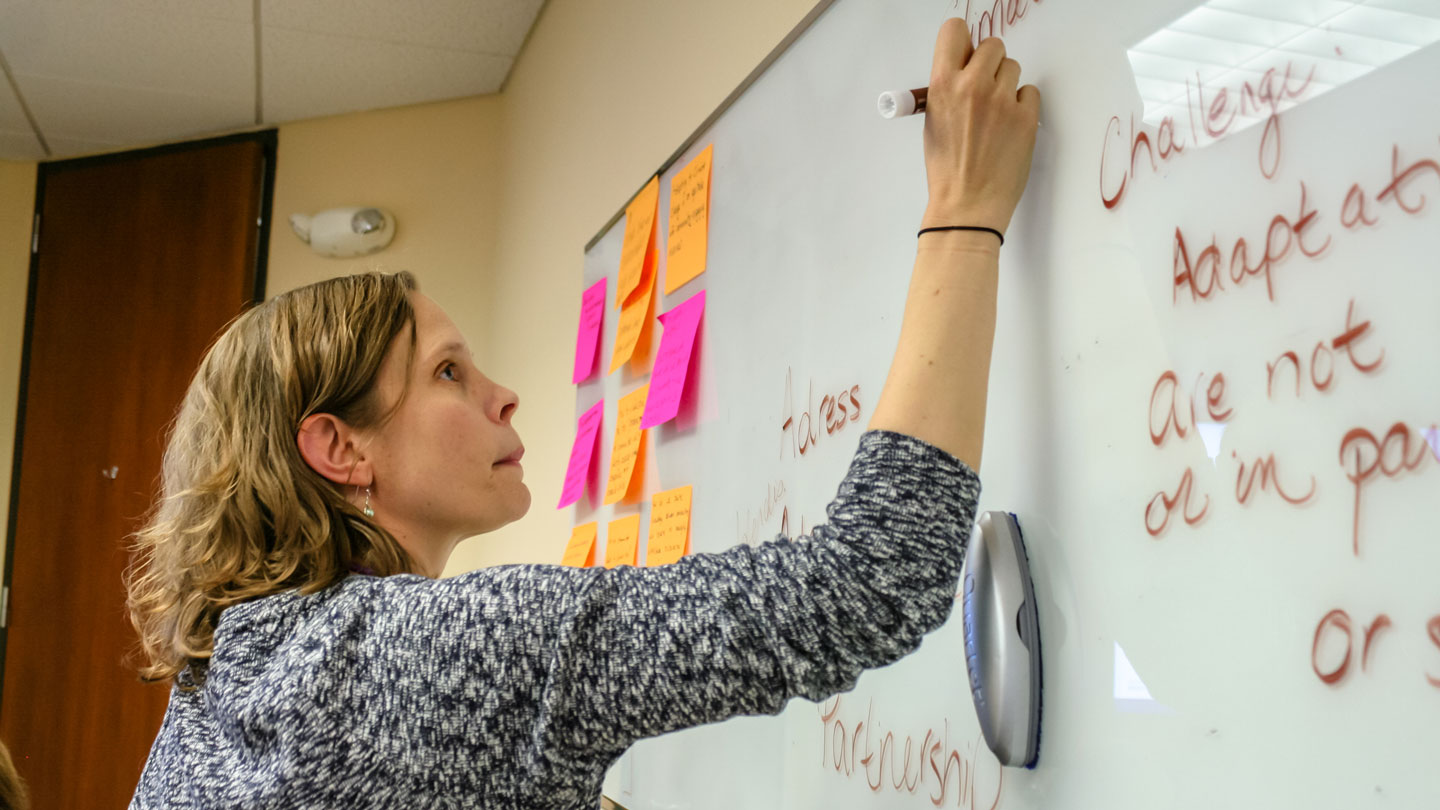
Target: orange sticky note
(623, 483)
(634, 328)
(689, 234)
(640, 357)
(624, 540)
(580, 551)
(639, 238)
(669, 526)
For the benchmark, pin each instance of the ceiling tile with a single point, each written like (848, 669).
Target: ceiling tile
(237, 10)
(309, 75)
(1225, 24)
(12, 117)
(1302, 12)
(20, 146)
(95, 112)
(1395, 26)
(1343, 46)
(482, 26)
(130, 43)
(1421, 8)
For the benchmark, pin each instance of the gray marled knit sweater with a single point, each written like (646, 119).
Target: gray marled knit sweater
(516, 687)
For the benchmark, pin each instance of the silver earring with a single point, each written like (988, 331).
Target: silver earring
(367, 510)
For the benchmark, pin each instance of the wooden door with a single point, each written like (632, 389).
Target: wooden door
(142, 259)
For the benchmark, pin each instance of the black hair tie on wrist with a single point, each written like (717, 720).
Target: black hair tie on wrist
(998, 235)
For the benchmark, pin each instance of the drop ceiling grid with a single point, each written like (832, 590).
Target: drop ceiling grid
(495, 27)
(307, 75)
(1349, 38)
(99, 76)
(110, 46)
(17, 138)
(122, 73)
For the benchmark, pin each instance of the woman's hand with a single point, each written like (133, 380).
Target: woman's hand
(979, 132)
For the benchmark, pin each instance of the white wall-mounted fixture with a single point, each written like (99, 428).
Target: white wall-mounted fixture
(345, 232)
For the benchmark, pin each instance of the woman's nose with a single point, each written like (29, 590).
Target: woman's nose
(507, 401)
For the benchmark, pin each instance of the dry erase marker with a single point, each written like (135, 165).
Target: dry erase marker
(895, 103)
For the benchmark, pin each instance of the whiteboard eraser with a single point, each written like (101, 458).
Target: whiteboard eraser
(1002, 640)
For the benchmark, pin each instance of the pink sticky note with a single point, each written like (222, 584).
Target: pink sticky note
(587, 433)
(587, 339)
(667, 382)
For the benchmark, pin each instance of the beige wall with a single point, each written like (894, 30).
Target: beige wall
(434, 166)
(17, 210)
(601, 95)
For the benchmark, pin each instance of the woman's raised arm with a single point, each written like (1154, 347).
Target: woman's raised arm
(979, 136)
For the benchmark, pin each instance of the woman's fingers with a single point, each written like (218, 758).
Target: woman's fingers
(987, 58)
(952, 49)
(1029, 98)
(1009, 76)
(979, 132)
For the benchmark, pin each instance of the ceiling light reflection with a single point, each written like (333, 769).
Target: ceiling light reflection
(1231, 64)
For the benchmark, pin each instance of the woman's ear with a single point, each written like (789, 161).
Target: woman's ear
(328, 446)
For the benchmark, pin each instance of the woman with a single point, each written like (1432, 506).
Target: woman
(338, 441)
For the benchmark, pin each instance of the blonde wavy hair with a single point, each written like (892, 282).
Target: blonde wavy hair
(240, 514)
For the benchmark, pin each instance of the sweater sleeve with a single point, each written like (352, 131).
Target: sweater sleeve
(642, 651)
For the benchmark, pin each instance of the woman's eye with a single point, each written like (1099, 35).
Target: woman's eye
(450, 369)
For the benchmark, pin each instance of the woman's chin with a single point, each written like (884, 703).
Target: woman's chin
(522, 502)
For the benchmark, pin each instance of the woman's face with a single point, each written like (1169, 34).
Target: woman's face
(447, 465)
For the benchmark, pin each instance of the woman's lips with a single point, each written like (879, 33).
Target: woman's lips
(513, 458)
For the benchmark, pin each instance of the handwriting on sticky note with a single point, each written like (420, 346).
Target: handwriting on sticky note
(667, 383)
(689, 235)
(587, 432)
(622, 541)
(628, 437)
(638, 241)
(580, 551)
(669, 526)
(634, 319)
(587, 337)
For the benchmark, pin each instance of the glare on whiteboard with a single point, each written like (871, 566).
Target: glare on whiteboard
(1131, 694)
(1223, 44)
(1211, 433)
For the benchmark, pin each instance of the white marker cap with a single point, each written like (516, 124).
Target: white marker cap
(895, 103)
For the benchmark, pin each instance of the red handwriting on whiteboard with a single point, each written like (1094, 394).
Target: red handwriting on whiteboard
(1204, 276)
(1400, 179)
(785, 525)
(992, 23)
(1164, 506)
(1432, 628)
(1345, 341)
(1263, 475)
(1216, 118)
(1166, 416)
(1331, 665)
(1356, 211)
(1367, 458)
(905, 768)
(1206, 273)
(1167, 394)
(836, 412)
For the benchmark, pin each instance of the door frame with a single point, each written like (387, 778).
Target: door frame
(268, 140)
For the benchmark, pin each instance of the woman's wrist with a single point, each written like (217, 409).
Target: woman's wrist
(941, 216)
(953, 245)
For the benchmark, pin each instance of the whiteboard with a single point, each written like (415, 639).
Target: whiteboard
(1224, 460)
